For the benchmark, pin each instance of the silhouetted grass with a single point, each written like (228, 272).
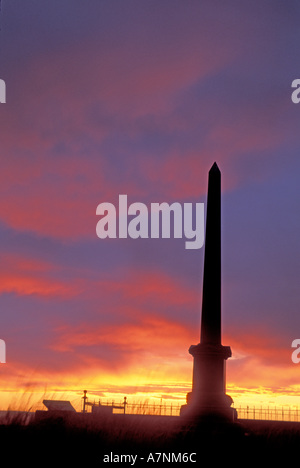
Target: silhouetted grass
(84, 440)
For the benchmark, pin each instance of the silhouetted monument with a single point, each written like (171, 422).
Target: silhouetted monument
(208, 397)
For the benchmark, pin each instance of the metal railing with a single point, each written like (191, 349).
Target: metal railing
(283, 413)
(269, 413)
(273, 413)
(157, 409)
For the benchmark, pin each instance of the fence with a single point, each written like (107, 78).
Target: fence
(163, 409)
(269, 414)
(157, 409)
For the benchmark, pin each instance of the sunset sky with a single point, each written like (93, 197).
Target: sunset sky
(140, 97)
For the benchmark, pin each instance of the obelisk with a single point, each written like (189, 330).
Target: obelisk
(208, 397)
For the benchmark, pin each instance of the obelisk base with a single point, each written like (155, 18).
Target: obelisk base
(208, 399)
(201, 413)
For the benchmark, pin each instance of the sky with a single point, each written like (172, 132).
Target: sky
(140, 98)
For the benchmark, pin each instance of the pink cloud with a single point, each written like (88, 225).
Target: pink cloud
(140, 286)
(26, 276)
(151, 331)
(56, 195)
(261, 358)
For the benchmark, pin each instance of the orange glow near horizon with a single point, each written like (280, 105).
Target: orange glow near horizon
(149, 363)
(165, 382)
(29, 400)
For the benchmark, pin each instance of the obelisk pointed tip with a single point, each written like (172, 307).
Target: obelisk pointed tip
(214, 168)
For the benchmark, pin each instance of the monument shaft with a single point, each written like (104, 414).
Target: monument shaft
(211, 296)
